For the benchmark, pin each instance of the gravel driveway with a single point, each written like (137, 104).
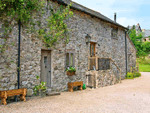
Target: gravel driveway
(131, 96)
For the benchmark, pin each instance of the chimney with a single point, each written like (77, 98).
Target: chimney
(115, 17)
(137, 24)
(143, 30)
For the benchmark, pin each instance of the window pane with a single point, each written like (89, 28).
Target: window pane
(45, 60)
(71, 60)
(92, 50)
(67, 59)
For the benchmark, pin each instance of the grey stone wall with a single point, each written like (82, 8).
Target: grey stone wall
(81, 25)
(131, 54)
(106, 78)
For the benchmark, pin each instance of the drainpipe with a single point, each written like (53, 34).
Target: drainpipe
(18, 70)
(126, 52)
(18, 67)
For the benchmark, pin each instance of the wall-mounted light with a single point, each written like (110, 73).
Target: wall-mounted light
(87, 38)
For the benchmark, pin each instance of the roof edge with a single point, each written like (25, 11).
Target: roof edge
(89, 11)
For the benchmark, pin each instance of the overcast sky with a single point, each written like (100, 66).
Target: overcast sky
(129, 12)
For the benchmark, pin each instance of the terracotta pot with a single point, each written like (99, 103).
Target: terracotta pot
(70, 73)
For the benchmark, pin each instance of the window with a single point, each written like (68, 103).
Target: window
(103, 64)
(69, 58)
(92, 49)
(114, 32)
(45, 61)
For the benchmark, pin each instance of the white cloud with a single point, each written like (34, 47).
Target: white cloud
(125, 21)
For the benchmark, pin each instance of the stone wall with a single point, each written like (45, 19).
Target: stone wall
(80, 24)
(101, 78)
(131, 54)
(106, 77)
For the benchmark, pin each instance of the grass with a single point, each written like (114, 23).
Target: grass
(144, 67)
(144, 64)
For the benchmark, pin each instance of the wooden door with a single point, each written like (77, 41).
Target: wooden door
(46, 67)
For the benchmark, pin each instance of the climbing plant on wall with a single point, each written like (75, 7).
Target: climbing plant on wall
(13, 11)
(26, 11)
(57, 28)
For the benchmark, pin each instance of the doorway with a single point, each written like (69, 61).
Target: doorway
(46, 67)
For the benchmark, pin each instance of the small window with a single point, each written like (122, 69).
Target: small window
(92, 49)
(114, 32)
(69, 59)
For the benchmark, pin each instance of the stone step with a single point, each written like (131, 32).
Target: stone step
(53, 93)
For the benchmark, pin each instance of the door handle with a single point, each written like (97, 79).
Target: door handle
(49, 71)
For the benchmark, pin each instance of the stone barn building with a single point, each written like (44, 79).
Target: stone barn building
(97, 46)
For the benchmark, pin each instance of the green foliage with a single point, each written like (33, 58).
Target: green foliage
(143, 60)
(84, 86)
(136, 74)
(37, 77)
(144, 67)
(15, 10)
(144, 64)
(71, 69)
(146, 47)
(133, 75)
(129, 75)
(27, 11)
(57, 28)
(41, 87)
(143, 48)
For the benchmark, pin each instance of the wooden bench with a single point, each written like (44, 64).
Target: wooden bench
(72, 84)
(4, 94)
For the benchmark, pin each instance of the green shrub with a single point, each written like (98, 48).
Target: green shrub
(129, 75)
(40, 88)
(71, 69)
(136, 74)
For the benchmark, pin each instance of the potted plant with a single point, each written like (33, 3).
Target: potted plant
(71, 71)
(40, 90)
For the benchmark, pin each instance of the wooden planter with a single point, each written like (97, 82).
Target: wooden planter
(70, 73)
(4, 94)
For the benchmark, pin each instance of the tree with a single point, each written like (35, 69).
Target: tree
(143, 48)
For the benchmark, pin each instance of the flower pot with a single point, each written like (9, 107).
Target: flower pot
(70, 73)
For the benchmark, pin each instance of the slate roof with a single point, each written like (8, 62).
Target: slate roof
(146, 33)
(89, 11)
(136, 27)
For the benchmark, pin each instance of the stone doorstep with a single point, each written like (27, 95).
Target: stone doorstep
(53, 93)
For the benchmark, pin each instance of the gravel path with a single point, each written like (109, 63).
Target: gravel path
(131, 96)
